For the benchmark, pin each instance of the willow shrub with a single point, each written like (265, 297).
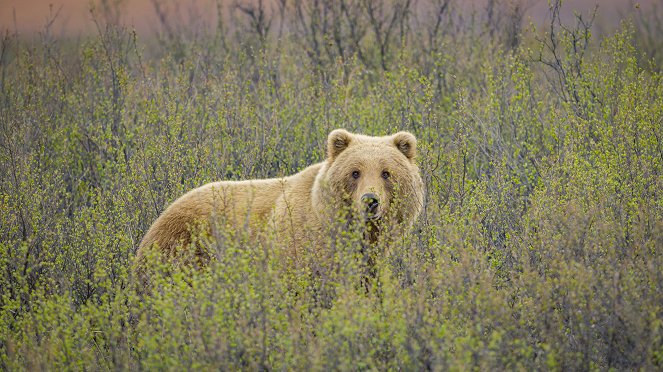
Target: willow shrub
(540, 245)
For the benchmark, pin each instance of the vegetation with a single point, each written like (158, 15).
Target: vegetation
(541, 243)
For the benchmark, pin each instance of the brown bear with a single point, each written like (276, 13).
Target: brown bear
(374, 180)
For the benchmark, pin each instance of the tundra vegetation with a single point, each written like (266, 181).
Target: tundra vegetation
(540, 245)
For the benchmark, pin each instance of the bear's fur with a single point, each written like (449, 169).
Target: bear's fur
(371, 179)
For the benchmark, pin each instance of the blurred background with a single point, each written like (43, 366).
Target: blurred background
(76, 17)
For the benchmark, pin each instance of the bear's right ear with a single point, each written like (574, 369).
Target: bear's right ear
(338, 140)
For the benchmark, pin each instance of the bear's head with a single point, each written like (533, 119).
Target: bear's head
(376, 178)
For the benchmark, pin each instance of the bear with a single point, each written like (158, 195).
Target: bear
(373, 180)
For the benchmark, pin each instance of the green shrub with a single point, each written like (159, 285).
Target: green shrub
(540, 245)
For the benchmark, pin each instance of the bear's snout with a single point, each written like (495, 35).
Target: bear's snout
(371, 205)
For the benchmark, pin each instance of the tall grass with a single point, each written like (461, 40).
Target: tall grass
(540, 246)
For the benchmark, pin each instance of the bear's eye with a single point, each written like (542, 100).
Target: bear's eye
(386, 175)
(355, 174)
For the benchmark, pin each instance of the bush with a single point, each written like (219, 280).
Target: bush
(540, 246)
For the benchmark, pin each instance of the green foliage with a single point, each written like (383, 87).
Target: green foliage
(540, 246)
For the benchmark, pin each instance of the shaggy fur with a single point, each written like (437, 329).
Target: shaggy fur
(297, 208)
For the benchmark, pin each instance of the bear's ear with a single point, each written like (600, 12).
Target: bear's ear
(405, 143)
(338, 140)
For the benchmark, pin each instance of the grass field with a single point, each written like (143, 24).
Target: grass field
(541, 242)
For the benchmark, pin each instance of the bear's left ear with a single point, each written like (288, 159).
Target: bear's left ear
(338, 140)
(405, 143)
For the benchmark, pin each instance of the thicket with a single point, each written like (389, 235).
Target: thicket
(541, 243)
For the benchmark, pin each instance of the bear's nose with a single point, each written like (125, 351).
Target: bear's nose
(371, 202)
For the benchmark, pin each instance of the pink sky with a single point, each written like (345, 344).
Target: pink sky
(74, 18)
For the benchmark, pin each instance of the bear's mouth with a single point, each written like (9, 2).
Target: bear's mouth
(372, 217)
